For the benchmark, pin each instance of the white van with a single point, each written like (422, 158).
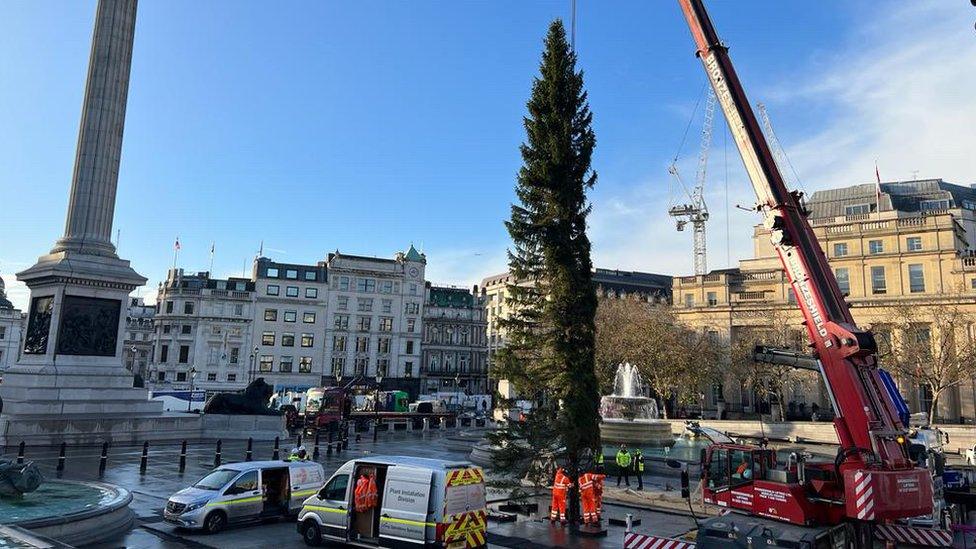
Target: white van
(422, 502)
(243, 492)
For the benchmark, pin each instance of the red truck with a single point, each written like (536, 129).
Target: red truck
(327, 408)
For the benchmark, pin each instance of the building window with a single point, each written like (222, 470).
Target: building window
(271, 315)
(3, 332)
(291, 274)
(843, 280)
(338, 344)
(186, 329)
(160, 376)
(267, 363)
(840, 249)
(858, 209)
(238, 309)
(413, 289)
(383, 345)
(878, 280)
(341, 322)
(408, 369)
(972, 283)
(712, 299)
(689, 300)
(363, 323)
(188, 308)
(387, 305)
(305, 365)
(169, 306)
(212, 376)
(338, 363)
(273, 289)
(875, 246)
(409, 347)
(914, 243)
(308, 340)
(361, 364)
(411, 325)
(287, 339)
(291, 316)
(310, 275)
(235, 355)
(284, 365)
(412, 308)
(344, 283)
(272, 272)
(916, 279)
(386, 324)
(382, 366)
(164, 350)
(166, 328)
(268, 338)
(231, 378)
(387, 287)
(362, 344)
(308, 318)
(180, 376)
(342, 302)
(933, 205)
(312, 293)
(291, 291)
(184, 354)
(790, 296)
(364, 305)
(366, 285)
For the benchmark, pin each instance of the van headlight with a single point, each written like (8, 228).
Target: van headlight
(194, 506)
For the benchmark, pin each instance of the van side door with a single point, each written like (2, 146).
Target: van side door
(404, 504)
(333, 506)
(242, 499)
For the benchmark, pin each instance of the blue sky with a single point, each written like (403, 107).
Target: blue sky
(365, 126)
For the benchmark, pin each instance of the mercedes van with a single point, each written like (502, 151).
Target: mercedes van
(244, 492)
(421, 502)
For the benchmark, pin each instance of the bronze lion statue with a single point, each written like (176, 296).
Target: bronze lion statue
(253, 401)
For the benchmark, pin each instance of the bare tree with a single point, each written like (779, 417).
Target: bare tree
(930, 346)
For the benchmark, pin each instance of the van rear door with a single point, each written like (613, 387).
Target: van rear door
(465, 520)
(404, 504)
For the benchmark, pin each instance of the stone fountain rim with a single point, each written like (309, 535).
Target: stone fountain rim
(121, 499)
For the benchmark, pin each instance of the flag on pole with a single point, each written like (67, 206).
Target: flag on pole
(877, 185)
(212, 246)
(176, 246)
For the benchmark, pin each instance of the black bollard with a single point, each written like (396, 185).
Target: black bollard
(315, 449)
(103, 461)
(183, 456)
(64, 447)
(685, 491)
(20, 453)
(328, 449)
(217, 455)
(248, 455)
(144, 462)
(299, 442)
(276, 455)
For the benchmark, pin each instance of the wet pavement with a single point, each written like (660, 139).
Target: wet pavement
(162, 478)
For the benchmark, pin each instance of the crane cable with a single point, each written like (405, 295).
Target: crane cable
(684, 137)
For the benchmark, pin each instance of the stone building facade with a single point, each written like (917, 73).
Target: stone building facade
(455, 341)
(137, 348)
(290, 312)
(11, 329)
(203, 327)
(915, 246)
(375, 318)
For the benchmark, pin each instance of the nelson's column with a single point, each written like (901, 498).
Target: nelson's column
(70, 383)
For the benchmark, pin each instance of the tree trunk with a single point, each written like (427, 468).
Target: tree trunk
(934, 406)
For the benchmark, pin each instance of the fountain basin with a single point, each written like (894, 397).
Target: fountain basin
(72, 512)
(636, 432)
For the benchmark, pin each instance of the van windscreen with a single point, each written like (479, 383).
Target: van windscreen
(216, 479)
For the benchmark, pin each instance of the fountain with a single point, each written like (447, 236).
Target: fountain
(629, 415)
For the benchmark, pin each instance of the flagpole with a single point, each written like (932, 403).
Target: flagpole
(176, 251)
(212, 245)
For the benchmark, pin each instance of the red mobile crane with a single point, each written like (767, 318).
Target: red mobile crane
(872, 480)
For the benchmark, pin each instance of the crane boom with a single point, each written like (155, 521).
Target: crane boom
(868, 427)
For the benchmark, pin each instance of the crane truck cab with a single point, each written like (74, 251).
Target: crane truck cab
(418, 502)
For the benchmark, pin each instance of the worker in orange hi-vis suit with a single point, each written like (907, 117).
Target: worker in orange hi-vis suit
(598, 493)
(588, 498)
(372, 493)
(360, 502)
(560, 493)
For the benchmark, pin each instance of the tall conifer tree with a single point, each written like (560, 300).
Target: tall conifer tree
(550, 339)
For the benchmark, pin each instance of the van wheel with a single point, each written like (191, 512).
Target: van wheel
(311, 533)
(215, 522)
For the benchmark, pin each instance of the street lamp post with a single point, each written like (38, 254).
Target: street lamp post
(250, 373)
(457, 391)
(193, 376)
(376, 404)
